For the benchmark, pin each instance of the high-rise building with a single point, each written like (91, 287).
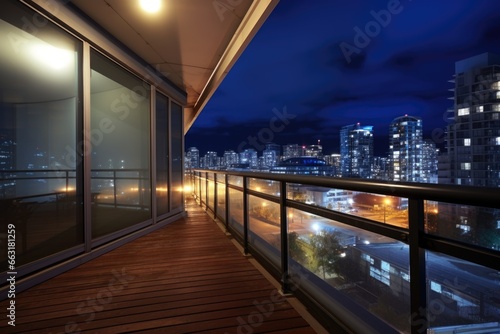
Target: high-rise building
(405, 148)
(356, 150)
(211, 160)
(291, 151)
(193, 158)
(430, 154)
(334, 161)
(315, 151)
(473, 136)
(381, 168)
(249, 157)
(231, 158)
(271, 155)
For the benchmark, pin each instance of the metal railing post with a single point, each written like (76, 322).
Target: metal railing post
(245, 216)
(226, 179)
(206, 190)
(418, 276)
(285, 286)
(215, 196)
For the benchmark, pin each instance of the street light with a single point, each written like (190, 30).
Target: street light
(386, 203)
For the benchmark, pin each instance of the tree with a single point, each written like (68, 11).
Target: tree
(326, 250)
(295, 249)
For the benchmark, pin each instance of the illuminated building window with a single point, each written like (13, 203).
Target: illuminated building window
(466, 141)
(463, 111)
(480, 108)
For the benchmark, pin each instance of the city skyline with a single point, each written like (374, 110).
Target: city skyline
(405, 68)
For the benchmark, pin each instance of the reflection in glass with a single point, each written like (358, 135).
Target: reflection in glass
(264, 227)
(460, 292)
(359, 266)
(177, 155)
(39, 145)
(471, 224)
(265, 186)
(203, 190)
(221, 201)
(211, 194)
(235, 221)
(162, 205)
(385, 209)
(235, 180)
(120, 136)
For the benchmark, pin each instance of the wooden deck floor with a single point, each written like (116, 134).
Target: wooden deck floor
(184, 278)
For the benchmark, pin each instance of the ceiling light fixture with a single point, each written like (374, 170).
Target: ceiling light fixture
(151, 6)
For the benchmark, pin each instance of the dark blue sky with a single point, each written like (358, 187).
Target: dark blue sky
(310, 60)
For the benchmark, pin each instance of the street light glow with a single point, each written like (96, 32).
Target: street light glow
(316, 227)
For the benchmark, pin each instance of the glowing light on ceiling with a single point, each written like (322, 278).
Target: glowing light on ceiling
(151, 6)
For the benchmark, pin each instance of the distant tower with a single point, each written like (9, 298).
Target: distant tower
(249, 156)
(271, 155)
(231, 158)
(356, 150)
(291, 151)
(405, 148)
(315, 151)
(429, 162)
(193, 158)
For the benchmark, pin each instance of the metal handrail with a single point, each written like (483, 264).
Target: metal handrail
(455, 194)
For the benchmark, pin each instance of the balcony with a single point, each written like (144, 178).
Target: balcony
(368, 256)
(185, 277)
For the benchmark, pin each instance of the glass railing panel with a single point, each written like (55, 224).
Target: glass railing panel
(235, 180)
(268, 187)
(471, 224)
(264, 227)
(235, 221)
(359, 268)
(203, 190)
(460, 293)
(211, 197)
(211, 176)
(220, 177)
(384, 209)
(221, 201)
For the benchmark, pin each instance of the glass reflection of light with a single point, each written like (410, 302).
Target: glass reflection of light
(51, 56)
(316, 227)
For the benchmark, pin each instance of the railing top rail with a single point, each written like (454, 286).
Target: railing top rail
(467, 195)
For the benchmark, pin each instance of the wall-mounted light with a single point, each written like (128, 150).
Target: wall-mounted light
(151, 6)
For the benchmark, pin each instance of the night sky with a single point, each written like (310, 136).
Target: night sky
(309, 71)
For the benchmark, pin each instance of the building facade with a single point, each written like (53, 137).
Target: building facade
(291, 151)
(405, 148)
(356, 151)
(192, 158)
(271, 155)
(473, 134)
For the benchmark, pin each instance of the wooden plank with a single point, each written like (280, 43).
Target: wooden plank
(185, 277)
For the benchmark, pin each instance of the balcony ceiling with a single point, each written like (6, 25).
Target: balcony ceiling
(193, 43)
